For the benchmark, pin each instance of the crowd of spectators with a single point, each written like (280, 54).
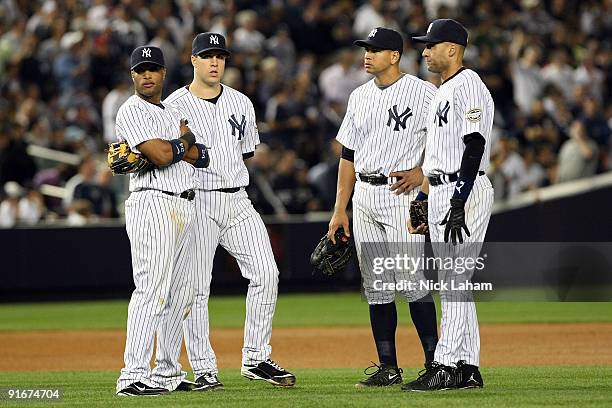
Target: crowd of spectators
(64, 74)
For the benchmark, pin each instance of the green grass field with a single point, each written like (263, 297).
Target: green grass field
(343, 309)
(589, 386)
(504, 387)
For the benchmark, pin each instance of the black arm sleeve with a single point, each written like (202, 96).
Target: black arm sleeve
(474, 149)
(348, 154)
(472, 155)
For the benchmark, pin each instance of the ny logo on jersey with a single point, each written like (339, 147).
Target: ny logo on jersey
(214, 39)
(442, 113)
(400, 119)
(146, 52)
(237, 126)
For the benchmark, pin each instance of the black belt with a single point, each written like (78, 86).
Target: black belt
(187, 194)
(374, 179)
(228, 190)
(446, 178)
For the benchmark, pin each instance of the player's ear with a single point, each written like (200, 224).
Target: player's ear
(396, 57)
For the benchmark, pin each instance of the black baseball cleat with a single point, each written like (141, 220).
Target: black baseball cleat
(208, 382)
(384, 376)
(467, 376)
(268, 371)
(435, 377)
(139, 389)
(186, 385)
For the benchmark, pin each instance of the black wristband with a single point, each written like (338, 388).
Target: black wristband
(178, 150)
(203, 158)
(189, 137)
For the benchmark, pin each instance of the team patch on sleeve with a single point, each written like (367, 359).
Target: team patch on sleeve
(474, 115)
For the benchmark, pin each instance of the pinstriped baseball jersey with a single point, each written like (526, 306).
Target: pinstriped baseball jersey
(230, 132)
(386, 127)
(138, 121)
(462, 105)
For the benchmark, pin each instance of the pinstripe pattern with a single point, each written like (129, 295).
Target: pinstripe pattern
(160, 230)
(139, 121)
(379, 148)
(226, 168)
(379, 230)
(459, 338)
(229, 220)
(444, 150)
(470, 109)
(382, 145)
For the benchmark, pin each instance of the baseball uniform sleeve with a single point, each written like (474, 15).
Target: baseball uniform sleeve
(347, 135)
(133, 126)
(251, 134)
(430, 91)
(470, 108)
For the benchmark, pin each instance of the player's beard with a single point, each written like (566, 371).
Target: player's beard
(149, 93)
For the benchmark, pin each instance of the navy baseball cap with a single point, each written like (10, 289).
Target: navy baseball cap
(147, 54)
(444, 30)
(383, 39)
(209, 42)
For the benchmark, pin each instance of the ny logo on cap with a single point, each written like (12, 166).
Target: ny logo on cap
(214, 39)
(146, 52)
(372, 33)
(429, 28)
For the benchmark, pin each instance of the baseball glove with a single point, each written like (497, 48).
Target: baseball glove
(329, 258)
(418, 213)
(122, 160)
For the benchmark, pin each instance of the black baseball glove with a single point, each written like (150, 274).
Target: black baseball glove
(418, 214)
(455, 221)
(122, 160)
(329, 258)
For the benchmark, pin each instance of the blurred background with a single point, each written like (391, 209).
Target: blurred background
(64, 73)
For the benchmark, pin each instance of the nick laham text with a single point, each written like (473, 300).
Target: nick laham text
(404, 285)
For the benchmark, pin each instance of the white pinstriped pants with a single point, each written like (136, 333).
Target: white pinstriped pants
(160, 228)
(459, 333)
(380, 231)
(229, 220)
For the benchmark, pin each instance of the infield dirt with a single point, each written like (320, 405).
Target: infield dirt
(324, 347)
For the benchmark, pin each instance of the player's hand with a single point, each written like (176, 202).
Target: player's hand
(408, 180)
(339, 219)
(455, 222)
(422, 229)
(184, 127)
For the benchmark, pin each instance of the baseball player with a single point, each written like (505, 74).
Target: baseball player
(159, 215)
(224, 120)
(460, 198)
(383, 137)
